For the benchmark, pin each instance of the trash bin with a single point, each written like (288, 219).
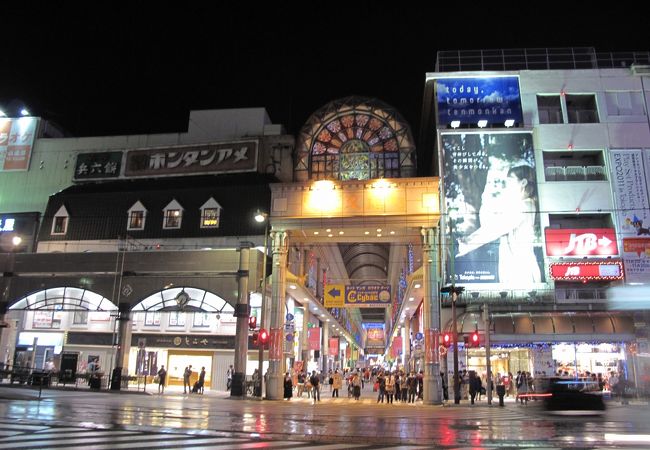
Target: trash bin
(40, 379)
(501, 392)
(95, 382)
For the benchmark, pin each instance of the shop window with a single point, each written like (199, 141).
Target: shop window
(60, 222)
(581, 108)
(136, 216)
(574, 166)
(173, 215)
(202, 319)
(152, 319)
(80, 317)
(176, 319)
(210, 213)
(627, 103)
(549, 109)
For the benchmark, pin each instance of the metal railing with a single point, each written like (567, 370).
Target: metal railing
(567, 58)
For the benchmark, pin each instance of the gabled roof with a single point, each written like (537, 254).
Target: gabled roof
(98, 211)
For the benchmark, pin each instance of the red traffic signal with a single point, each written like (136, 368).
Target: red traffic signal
(474, 339)
(446, 339)
(264, 336)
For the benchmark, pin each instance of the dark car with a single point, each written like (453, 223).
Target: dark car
(573, 396)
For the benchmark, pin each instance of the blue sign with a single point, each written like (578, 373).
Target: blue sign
(419, 336)
(468, 100)
(289, 317)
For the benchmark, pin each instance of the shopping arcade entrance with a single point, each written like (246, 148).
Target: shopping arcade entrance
(331, 214)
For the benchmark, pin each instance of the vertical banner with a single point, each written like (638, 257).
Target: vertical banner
(334, 346)
(313, 338)
(430, 346)
(275, 344)
(629, 183)
(396, 348)
(16, 142)
(491, 200)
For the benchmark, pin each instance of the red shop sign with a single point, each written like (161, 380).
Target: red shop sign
(585, 271)
(581, 242)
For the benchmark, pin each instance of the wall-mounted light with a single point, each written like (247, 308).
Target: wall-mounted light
(508, 123)
(24, 112)
(455, 123)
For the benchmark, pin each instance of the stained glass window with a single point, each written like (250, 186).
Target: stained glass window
(356, 139)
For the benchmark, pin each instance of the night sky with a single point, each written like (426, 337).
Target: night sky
(141, 69)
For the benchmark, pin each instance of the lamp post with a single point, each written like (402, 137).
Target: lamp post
(455, 291)
(262, 217)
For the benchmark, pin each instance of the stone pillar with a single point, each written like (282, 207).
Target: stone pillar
(123, 345)
(325, 347)
(279, 247)
(242, 312)
(406, 340)
(431, 317)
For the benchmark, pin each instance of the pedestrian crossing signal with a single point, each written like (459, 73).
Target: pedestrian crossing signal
(264, 336)
(474, 339)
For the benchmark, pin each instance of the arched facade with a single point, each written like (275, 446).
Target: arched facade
(355, 138)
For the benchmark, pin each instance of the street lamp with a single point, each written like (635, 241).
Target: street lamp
(455, 291)
(262, 217)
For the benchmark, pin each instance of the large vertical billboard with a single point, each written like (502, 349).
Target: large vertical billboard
(492, 209)
(16, 142)
(630, 171)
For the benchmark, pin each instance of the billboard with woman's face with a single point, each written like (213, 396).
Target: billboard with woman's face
(492, 213)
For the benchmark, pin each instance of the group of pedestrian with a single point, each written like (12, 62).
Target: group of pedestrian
(198, 387)
(398, 386)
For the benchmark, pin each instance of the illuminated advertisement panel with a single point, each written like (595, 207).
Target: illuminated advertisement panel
(585, 271)
(580, 242)
(630, 188)
(16, 142)
(492, 211)
(375, 335)
(468, 100)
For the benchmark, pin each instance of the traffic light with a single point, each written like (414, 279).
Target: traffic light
(252, 322)
(256, 338)
(474, 340)
(446, 339)
(264, 336)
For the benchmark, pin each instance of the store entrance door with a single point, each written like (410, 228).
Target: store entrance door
(178, 360)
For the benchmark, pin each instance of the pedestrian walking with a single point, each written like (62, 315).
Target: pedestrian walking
(356, 386)
(202, 380)
(390, 388)
(186, 379)
(288, 387)
(337, 383)
(315, 382)
(382, 387)
(229, 374)
(162, 376)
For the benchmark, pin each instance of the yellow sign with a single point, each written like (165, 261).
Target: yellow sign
(334, 295)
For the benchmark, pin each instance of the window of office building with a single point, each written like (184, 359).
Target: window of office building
(624, 103)
(574, 166)
(549, 108)
(581, 108)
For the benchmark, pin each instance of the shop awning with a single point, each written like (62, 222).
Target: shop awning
(549, 327)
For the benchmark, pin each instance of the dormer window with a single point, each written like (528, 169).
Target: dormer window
(210, 213)
(136, 216)
(172, 216)
(60, 222)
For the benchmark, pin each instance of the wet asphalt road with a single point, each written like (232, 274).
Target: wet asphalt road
(351, 424)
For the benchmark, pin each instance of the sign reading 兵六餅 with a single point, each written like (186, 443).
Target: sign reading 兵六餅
(370, 296)
(581, 242)
(468, 100)
(93, 166)
(16, 142)
(204, 158)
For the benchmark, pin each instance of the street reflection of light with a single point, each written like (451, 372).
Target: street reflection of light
(615, 437)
